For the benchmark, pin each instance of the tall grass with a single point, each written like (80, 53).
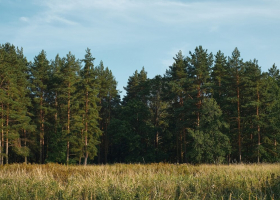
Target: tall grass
(137, 181)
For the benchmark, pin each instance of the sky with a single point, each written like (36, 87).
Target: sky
(129, 34)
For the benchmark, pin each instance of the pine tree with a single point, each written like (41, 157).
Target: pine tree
(219, 78)
(88, 94)
(236, 73)
(271, 105)
(14, 101)
(135, 115)
(56, 141)
(253, 97)
(136, 86)
(199, 65)
(158, 108)
(67, 89)
(40, 75)
(106, 92)
(177, 94)
(24, 125)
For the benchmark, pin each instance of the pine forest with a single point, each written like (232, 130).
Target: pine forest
(207, 108)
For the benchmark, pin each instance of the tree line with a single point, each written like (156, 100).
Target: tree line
(205, 109)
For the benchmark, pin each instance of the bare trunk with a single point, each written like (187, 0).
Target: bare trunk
(259, 134)
(275, 143)
(181, 148)
(106, 149)
(43, 140)
(107, 123)
(86, 130)
(181, 141)
(25, 138)
(41, 130)
(7, 136)
(86, 157)
(185, 147)
(157, 134)
(68, 124)
(2, 135)
(68, 146)
(106, 142)
(156, 140)
(199, 103)
(177, 145)
(238, 119)
(156, 125)
(55, 115)
(101, 139)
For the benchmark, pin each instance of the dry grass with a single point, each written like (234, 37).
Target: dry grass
(135, 181)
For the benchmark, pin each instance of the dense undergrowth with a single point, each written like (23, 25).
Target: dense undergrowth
(137, 181)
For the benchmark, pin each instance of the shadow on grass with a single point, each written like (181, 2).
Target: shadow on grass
(273, 188)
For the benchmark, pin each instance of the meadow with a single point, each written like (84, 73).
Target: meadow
(140, 181)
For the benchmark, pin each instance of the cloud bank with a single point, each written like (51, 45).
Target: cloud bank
(129, 34)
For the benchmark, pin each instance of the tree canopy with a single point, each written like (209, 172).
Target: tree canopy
(206, 108)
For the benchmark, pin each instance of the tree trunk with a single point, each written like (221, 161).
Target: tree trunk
(7, 136)
(55, 115)
(177, 145)
(80, 160)
(106, 145)
(181, 134)
(199, 101)
(157, 134)
(68, 146)
(41, 130)
(198, 106)
(25, 138)
(101, 144)
(259, 134)
(2, 135)
(156, 124)
(86, 130)
(185, 147)
(181, 148)
(238, 119)
(68, 125)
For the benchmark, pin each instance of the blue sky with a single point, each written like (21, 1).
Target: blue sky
(130, 34)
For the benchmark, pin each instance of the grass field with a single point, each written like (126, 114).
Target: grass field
(137, 181)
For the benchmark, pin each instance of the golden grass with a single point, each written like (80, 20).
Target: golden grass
(137, 181)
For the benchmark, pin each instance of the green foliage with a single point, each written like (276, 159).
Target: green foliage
(107, 95)
(209, 144)
(205, 109)
(14, 102)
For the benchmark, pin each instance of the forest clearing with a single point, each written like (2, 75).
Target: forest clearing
(140, 181)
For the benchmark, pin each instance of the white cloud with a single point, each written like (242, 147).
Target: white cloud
(110, 23)
(24, 19)
(107, 13)
(128, 34)
(161, 11)
(56, 18)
